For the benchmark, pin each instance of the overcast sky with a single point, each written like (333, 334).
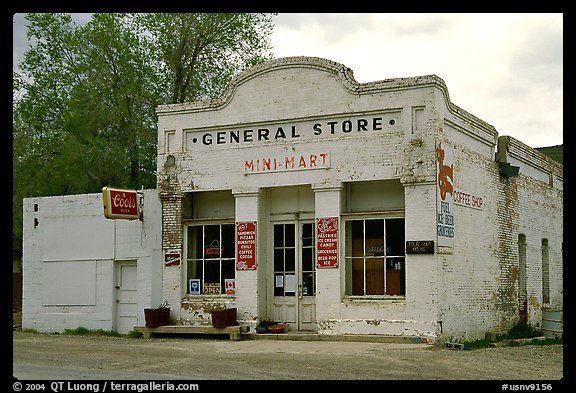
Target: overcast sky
(506, 69)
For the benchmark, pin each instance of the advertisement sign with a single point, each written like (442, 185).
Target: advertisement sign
(172, 258)
(444, 194)
(194, 286)
(230, 286)
(419, 246)
(212, 288)
(120, 203)
(327, 245)
(246, 245)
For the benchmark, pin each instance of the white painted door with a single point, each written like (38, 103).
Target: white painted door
(294, 274)
(126, 296)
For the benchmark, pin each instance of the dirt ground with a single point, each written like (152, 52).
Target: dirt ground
(57, 356)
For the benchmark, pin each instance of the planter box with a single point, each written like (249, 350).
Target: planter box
(157, 316)
(224, 318)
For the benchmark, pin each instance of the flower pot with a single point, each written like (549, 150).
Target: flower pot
(157, 316)
(278, 328)
(223, 318)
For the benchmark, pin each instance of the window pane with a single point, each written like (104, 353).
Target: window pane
(357, 276)
(307, 259)
(308, 284)
(194, 269)
(289, 239)
(212, 246)
(279, 284)
(395, 276)
(357, 233)
(374, 245)
(374, 276)
(197, 242)
(212, 272)
(228, 241)
(290, 285)
(395, 236)
(290, 261)
(278, 235)
(228, 272)
(307, 235)
(279, 260)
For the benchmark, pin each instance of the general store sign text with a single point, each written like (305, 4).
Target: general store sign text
(270, 132)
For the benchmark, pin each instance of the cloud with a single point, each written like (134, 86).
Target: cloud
(506, 69)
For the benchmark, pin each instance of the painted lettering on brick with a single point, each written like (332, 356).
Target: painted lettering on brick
(295, 131)
(445, 194)
(287, 163)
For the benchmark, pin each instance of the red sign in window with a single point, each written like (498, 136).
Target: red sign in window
(327, 245)
(246, 245)
(120, 203)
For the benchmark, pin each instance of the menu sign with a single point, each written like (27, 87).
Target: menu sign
(327, 243)
(246, 245)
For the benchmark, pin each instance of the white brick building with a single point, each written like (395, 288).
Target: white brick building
(305, 197)
(80, 269)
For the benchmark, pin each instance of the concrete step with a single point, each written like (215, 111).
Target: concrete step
(305, 336)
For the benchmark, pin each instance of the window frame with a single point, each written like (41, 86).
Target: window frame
(189, 258)
(347, 242)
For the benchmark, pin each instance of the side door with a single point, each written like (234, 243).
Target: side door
(125, 288)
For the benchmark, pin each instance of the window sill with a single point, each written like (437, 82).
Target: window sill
(201, 298)
(389, 299)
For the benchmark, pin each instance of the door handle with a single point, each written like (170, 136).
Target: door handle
(117, 286)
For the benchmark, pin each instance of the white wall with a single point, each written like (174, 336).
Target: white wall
(68, 261)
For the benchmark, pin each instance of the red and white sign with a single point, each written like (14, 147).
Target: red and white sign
(120, 203)
(246, 245)
(230, 286)
(327, 246)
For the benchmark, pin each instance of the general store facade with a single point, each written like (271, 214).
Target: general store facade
(305, 197)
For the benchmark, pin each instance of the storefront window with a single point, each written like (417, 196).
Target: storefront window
(375, 257)
(211, 259)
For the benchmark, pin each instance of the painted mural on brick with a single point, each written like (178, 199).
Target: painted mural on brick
(444, 194)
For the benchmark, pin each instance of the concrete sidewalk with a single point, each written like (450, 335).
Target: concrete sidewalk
(310, 336)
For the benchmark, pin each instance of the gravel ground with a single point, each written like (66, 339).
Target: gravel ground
(57, 356)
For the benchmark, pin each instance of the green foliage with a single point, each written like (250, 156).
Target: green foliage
(521, 330)
(515, 337)
(85, 97)
(82, 331)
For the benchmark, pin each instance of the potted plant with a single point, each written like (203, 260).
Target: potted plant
(157, 316)
(263, 325)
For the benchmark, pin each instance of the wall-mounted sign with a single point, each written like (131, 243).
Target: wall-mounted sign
(194, 286)
(246, 245)
(120, 203)
(420, 247)
(327, 244)
(172, 258)
(444, 194)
